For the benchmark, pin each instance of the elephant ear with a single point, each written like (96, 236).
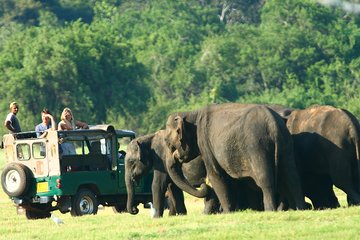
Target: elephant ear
(144, 149)
(135, 146)
(179, 126)
(134, 149)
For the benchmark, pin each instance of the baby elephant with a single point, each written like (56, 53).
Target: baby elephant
(150, 152)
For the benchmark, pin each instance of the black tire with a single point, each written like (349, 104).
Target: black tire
(119, 208)
(83, 203)
(32, 215)
(15, 179)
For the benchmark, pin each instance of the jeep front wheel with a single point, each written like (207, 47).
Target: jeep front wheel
(83, 203)
(15, 179)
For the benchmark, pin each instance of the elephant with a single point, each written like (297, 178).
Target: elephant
(326, 142)
(149, 152)
(236, 141)
(318, 188)
(283, 111)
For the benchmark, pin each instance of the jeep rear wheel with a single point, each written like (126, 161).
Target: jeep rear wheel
(15, 179)
(83, 203)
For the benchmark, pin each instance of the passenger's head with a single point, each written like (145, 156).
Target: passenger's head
(66, 114)
(14, 107)
(46, 111)
(44, 115)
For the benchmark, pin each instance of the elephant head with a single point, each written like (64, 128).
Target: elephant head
(137, 164)
(181, 139)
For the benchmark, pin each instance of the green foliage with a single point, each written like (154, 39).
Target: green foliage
(131, 63)
(84, 67)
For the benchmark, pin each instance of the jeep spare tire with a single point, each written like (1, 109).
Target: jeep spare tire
(15, 179)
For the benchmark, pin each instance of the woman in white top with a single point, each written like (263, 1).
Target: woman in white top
(68, 123)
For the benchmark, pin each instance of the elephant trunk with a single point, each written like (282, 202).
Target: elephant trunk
(130, 195)
(174, 170)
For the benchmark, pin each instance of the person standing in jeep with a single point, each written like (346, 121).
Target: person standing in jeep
(69, 123)
(11, 121)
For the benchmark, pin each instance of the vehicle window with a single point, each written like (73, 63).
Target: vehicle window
(108, 146)
(39, 150)
(23, 152)
(96, 147)
(124, 142)
(101, 146)
(67, 148)
(81, 147)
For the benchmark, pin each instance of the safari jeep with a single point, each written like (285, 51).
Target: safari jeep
(41, 176)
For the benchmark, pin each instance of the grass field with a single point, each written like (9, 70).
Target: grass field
(342, 223)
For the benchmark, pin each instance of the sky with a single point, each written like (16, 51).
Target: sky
(347, 6)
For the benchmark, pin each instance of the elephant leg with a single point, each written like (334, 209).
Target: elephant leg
(264, 178)
(247, 195)
(345, 183)
(241, 198)
(211, 203)
(331, 200)
(222, 190)
(254, 196)
(159, 187)
(170, 201)
(268, 198)
(289, 183)
(177, 199)
(344, 173)
(353, 197)
(319, 189)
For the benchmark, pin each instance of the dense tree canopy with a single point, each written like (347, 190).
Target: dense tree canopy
(131, 63)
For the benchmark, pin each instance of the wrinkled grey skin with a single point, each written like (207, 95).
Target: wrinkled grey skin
(236, 141)
(326, 141)
(317, 187)
(149, 152)
(283, 111)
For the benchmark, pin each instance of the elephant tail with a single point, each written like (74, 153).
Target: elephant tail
(277, 161)
(354, 133)
(356, 141)
(277, 138)
(358, 162)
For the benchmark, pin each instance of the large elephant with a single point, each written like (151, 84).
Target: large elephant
(317, 187)
(149, 152)
(326, 141)
(236, 141)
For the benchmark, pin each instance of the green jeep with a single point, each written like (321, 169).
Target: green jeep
(72, 171)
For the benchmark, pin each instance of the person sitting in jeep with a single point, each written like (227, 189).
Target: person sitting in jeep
(121, 153)
(48, 122)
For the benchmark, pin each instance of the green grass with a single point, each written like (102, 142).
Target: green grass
(342, 223)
